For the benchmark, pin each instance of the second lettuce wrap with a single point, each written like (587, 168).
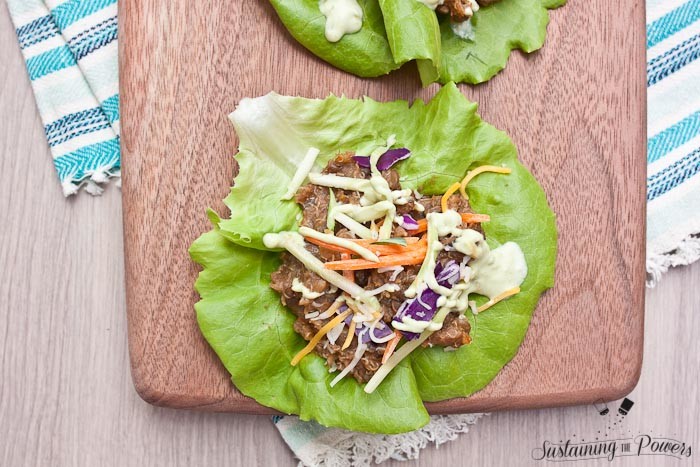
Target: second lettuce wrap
(398, 31)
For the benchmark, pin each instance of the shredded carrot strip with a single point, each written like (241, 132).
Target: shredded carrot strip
(319, 335)
(391, 346)
(467, 218)
(381, 249)
(453, 188)
(349, 275)
(422, 226)
(351, 334)
(471, 218)
(498, 298)
(386, 262)
(479, 170)
(414, 256)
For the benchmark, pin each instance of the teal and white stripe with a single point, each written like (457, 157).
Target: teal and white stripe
(70, 47)
(673, 149)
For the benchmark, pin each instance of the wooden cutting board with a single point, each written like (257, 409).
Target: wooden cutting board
(575, 110)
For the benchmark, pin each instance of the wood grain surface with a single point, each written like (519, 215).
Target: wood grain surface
(66, 396)
(575, 110)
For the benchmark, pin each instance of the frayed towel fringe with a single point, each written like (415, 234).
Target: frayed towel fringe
(92, 182)
(361, 449)
(687, 252)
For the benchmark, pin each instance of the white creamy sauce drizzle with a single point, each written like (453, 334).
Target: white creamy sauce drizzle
(378, 199)
(409, 324)
(482, 271)
(498, 270)
(463, 30)
(489, 273)
(305, 292)
(439, 225)
(493, 272)
(365, 213)
(294, 243)
(342, 17)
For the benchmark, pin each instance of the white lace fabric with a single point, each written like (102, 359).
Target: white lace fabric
(316, 446)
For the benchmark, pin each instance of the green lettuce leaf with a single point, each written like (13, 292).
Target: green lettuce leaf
(397, 31)
(253, 335)
(365, 53)
(252, 332)
(497, 29)
(403, 19)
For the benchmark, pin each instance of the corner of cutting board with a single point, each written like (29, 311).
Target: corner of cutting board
(152, 391)
(626, 386)
(147, 390)
(155, 395)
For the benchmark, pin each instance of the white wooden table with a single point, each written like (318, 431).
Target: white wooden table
(66, 396)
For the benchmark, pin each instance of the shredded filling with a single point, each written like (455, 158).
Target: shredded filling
(376, 270)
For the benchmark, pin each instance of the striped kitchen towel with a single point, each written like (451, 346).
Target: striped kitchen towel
(673, 148)
(70, 48)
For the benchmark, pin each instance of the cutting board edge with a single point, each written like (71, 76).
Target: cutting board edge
(140, 358)
(446, 407)
(245, 405)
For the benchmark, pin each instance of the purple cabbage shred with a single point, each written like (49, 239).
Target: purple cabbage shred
(386, 160)
(414, 308)
(408, 222)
